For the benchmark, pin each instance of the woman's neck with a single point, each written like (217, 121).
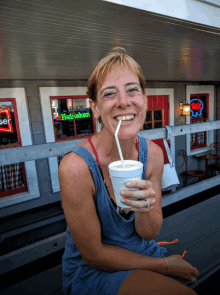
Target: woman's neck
(107, 149)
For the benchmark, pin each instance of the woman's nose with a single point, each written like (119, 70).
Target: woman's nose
(123, 100)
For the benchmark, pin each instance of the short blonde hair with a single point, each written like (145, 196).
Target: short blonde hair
(115, 59)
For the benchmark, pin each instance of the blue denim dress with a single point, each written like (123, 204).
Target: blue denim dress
(82, 279)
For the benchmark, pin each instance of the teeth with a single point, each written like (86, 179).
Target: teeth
(125, 118)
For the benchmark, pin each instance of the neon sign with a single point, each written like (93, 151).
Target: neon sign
(64, 117)
(197, 107)
(6, 121)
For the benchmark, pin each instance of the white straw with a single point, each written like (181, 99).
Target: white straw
(117, 141)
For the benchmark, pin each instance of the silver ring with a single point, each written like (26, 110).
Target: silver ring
(193, 280)
(147, 204)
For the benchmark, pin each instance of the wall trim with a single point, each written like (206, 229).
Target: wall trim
(45, 93)
(196, 89)
(30, 167)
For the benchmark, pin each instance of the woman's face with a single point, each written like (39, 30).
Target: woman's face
(121, 96)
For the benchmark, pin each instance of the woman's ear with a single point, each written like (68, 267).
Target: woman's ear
(94, 108)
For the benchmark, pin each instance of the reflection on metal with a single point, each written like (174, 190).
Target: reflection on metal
(34, 46)
(34, 152)
(209, 3)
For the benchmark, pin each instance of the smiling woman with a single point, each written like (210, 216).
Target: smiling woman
(111, 250)
(107, 65)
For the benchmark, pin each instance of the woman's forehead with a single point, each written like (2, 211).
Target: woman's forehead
(117, 76)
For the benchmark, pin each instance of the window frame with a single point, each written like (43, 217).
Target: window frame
(70, 97)
(203, 120)
(25, 132)
(45, 93)
(25, 188)
(16, 121)
(152, 116)
(201, 89)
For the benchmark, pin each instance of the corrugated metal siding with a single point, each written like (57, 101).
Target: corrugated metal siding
(65, 39)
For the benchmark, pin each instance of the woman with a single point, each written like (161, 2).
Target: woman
(109, 250)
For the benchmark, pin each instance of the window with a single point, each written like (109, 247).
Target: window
(199, 114)
(154, 119)
(12, 177)
(193, 91)
(72, 118)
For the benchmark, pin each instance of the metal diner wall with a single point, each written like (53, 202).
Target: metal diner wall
(47, 246)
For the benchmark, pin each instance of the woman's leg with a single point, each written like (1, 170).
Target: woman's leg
(145, 282)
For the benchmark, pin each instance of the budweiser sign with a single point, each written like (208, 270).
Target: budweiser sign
(6, 122)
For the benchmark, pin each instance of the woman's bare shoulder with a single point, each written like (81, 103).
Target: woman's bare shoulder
(73, 166)
(72, 159)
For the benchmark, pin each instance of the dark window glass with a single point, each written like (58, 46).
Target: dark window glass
(63, 118)
(158, 125)
(199, 114)
(83, 117)
(12, 177)
(147, 126)
(72, 118)
(158, 115)
(149, 116)
(8, 131)
(195, 102)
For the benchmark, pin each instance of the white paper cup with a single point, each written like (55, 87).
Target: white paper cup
(121, 175)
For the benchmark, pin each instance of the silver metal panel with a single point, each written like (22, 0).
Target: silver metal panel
(64, 39)
(34, 152)
(212, 3)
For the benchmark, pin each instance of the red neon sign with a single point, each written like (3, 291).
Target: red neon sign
(6, 121)
(196, 106)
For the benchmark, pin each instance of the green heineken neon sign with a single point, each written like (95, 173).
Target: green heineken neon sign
(64, 117)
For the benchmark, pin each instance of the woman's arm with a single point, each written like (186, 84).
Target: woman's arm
(77, 191)
(148, 224)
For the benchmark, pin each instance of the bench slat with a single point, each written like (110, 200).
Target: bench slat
(43, 283)
(193, 232)
(189, 215)
(205, 254)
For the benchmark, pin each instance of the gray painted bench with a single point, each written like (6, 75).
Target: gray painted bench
(197, 229)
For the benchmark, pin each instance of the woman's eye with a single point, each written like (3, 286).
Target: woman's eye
(109, 94)
(132, 90)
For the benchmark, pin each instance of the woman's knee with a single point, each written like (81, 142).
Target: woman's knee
(143, 282)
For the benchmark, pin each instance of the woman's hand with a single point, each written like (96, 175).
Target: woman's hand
(181, 269)
(138, 198)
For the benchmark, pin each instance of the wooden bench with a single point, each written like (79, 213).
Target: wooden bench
(197, 228)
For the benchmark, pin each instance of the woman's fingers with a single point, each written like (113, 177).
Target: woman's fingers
(138, 194)
(196, 272)
(138, 204)
(139, 184)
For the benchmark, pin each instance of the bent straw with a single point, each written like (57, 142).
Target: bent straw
(117, 141)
